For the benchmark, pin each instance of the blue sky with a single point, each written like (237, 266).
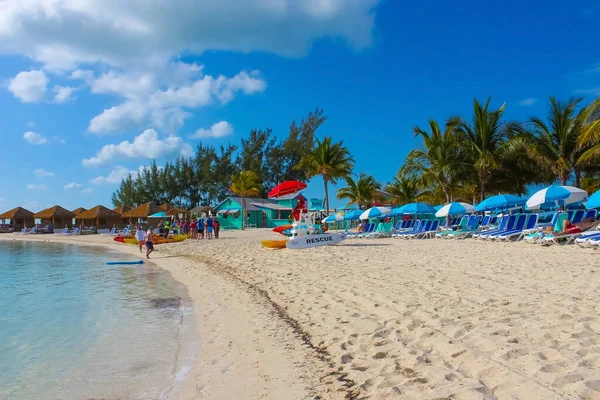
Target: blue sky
(92, 90)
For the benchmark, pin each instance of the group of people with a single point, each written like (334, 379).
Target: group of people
(195, 228)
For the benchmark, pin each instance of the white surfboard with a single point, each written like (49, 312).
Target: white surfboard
(306, 242)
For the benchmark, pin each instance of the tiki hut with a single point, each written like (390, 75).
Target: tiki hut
(142, 212)
(175, 212)
(58, 216)
(99, 217)
(122, 210)
(78, 211)
(200, 210)
(19, 218)
(166, 207)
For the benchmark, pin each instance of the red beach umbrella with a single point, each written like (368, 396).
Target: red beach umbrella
(287, 187)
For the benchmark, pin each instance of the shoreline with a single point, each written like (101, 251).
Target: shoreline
(244, 351)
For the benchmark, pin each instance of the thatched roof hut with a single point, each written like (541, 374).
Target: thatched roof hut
(201, 209)
(19, 217)
(143, 211)
(78, 211)
(58, 216)
(100, 217)
(166, 206)
(176, 211)
(121, 210)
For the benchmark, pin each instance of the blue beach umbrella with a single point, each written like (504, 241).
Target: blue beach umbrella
(455, 208)
(353, 215)
(333, 218)
(594, 200)
(559, 195)
(500, 201)
(416, 208)
(375, 212)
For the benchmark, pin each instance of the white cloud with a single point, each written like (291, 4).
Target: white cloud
(27, 86)
(31, 124)
(35, 187)
(145, 102)
(528, 102)
(65, 34)
(87, 190)
(63, 93)
(115, 176)
(218, 130)
(42, 173)
(146, 145)
(86, 75)
(1, 199)
(35, 138)
(72, 185)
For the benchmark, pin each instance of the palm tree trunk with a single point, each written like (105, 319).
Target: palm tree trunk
(326, 196)
(243, 212)
(482, 191)
(577, 178)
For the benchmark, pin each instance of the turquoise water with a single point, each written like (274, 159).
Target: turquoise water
(72, 327)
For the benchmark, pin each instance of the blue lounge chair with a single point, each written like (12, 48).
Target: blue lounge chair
(508, 221)
(511, 225)
(416, 228)
(583, 240)
(461, 226)
(530, 223)
(501, 226)
(428, 232)
(425, 226)
(471, 228)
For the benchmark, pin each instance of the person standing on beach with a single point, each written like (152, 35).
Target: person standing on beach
(149, 242)
(209, 228)
(200, 225)
(140, 235)
(216, 226)
(193, 229)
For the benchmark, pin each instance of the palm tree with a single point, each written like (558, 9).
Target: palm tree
(245, 184)
(556, 140)
(484, 138)
(588, 143)
(405, 189)
(438, 160)
(332, 161)
(362, 191)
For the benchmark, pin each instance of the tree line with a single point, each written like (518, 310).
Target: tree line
(459, 159)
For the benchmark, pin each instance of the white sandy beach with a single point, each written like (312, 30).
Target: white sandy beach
(378, 319)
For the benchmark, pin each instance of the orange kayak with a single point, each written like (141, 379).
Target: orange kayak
(274, 244)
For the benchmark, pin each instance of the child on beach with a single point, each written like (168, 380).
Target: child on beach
(216, 226)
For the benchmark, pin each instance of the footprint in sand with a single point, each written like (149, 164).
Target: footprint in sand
(555, 367)
(563, 381)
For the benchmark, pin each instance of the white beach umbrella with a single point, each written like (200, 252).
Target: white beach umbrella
(455, 208)
(375, 212)
(556, 196)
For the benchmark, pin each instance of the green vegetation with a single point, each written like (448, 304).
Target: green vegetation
(462, 159)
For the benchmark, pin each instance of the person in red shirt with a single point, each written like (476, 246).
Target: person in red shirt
(193, 229)
(216, 227)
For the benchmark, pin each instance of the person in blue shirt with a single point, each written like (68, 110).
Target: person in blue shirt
(200, 226)
(209, 228)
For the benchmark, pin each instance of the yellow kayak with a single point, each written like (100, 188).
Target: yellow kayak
(274, 244)
(157, 239)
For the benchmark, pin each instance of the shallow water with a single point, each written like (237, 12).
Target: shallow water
(72, 327)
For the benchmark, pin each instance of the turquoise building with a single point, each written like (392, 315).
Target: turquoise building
(261, 213)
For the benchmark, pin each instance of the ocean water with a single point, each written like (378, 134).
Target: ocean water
(72, 327)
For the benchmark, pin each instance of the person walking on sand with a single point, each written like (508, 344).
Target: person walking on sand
(140, 235)
(149, 242)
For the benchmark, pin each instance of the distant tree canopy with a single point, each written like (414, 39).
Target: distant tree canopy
(461, 159)
(205, 178)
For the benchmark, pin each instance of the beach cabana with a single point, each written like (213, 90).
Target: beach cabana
(19, 218)
(142, 212)
(58, 216)
(175, 212)
(198, 211)
(78, 211)
(99, 217)
(122, 210)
